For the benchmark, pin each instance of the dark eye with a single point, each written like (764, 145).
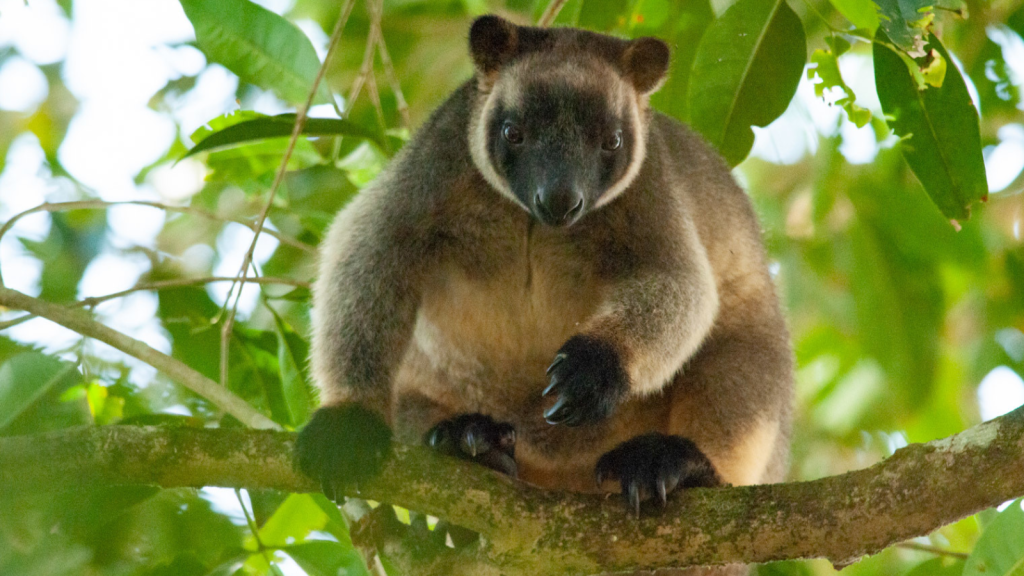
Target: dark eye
(613, 142)
(511, 133)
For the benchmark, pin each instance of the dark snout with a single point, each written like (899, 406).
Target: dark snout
(558, 204)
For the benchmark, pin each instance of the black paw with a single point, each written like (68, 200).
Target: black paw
(342, 446)
(589, 380)
(476, 437)
(653, 465)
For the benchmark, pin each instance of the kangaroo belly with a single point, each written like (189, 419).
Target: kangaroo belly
(505, 328)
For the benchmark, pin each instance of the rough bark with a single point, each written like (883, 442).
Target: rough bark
(529, 531)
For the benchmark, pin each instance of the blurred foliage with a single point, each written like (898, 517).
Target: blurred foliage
(896, 316)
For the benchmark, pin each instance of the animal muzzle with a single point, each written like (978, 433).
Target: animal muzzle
(558, 205)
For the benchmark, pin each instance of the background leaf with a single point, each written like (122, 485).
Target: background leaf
(941, 142)
(292, 355)
(825, 69)
(896, 317)
(1000, 550)
(27, 377)
(261, 47)
(862, 13)
(327, 559)
(745, 73)
(280, 126)
(683, 29)
(938, 567)
(905, 21)
(75, 238)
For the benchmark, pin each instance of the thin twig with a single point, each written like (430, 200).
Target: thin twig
(365, 70)
(15, 321)
(551, 12)
(81, 322)
(371, 87)
(392, 77)
(103, 205)
(932, 549)
(339, 26)
(255, 531)
(183, 282)
(300, 121)
(376, 10)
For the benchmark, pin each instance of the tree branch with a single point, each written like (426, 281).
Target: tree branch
(528, 531)
(550, 13)
(81, 322)
(186, 282)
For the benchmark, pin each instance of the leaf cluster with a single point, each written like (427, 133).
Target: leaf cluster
(896, 315)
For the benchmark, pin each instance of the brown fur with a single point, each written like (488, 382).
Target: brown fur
(439, 296)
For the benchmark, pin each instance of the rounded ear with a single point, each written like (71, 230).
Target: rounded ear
(645, 63)
(492, 40)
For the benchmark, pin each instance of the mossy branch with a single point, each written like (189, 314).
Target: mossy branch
(529, 531)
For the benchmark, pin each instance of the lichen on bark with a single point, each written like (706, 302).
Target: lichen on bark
(525, 529)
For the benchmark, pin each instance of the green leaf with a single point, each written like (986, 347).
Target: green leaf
(105, 408)
(314, 197)
(255, 364)
(245, 165)
(686, 26)
(336, 524)
(74, 239)
(934, 72)
(280, 126)
(602, 15)
(26, 377)
(292, 351)
(862, 13)
(325, 558)
(93, 510)
(294, 518)
(745, 73)
(899, 314)
(939, 127)
(1000, 550)
(906, 22)
(248, 162)
(938, 567)
(648, 14)
(223, 121)
(300, 294)
(259, 46)
(826, 71)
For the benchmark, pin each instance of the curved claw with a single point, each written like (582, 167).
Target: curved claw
(558, 360)
(476, 437)
(435, 438)
(551, 387)
(654, 465)
(634, 498)
(557, 413)
(473, 442)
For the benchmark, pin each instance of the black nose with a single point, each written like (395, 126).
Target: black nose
(558, 206)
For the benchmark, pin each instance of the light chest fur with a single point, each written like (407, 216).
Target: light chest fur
(508, 321)
(502, 299)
